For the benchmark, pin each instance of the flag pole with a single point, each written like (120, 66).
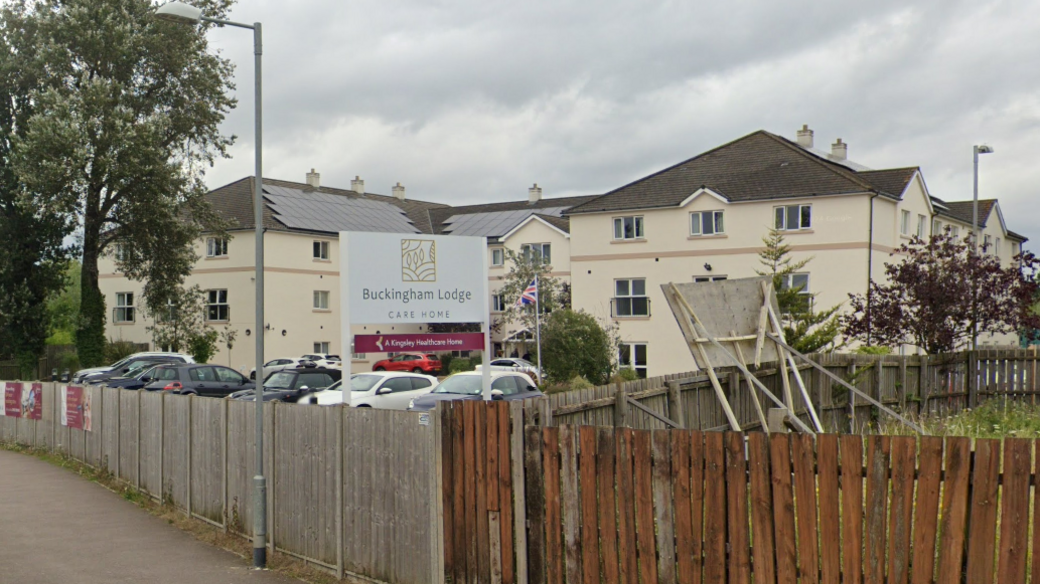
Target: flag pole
(538, 327)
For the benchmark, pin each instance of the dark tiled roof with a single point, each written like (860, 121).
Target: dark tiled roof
(234, 202)
(439, 216)
(759, 166)
(962, 210)
(561, 223)
(1017, 236)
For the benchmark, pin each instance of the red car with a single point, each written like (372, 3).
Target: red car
(414, 362)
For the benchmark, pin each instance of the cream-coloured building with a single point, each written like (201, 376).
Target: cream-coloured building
(301, 262)
(704, 219)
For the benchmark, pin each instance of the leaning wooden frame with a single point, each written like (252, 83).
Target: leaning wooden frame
(743, 315)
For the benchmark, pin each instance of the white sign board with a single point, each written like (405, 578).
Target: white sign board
(414, 278)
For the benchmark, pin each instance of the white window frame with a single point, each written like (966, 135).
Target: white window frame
(357, 356)
(631, 349)
(124, 311)
(996, 247)
(630, 296)
(320, 250)
(498, 303)
(717, 278)
(638, 229)
(986, 239)
(904, 222)
(718, 226)
(216, 300)
(321, 347)
(528, 249)
(216, 247)
(498, 256)
(922, 222)
(788, 282)
(1014, 249)
(955, 232)
(936, 227)
(781, 215)
(120, 252)
(321, 300)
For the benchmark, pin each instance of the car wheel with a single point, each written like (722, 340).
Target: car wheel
(417, 370)
(365, 406)
(380, 368)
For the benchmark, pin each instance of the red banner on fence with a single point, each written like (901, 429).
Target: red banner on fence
(76, 408)
(32, 404)
(22, 403)
(419, 342)
(13, 400)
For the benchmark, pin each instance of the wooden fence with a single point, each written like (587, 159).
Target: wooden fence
(915, 385)
(604, 504)
(354, 491)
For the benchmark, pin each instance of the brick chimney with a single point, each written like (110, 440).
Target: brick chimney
(357, 185)
(839, 150)
(534, 194)
(314, 179)
(805, 137)
(399, 191)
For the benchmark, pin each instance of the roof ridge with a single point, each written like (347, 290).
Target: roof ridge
(319, 189)
(834, 167)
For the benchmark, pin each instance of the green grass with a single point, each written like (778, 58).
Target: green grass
(997, 418)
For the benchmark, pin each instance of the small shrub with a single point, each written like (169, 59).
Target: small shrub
(460, 365)
(117, 350)
(203, 346)
(446, 360)
(579, 382)
(68, 360)
(627, 374)
(873, 350)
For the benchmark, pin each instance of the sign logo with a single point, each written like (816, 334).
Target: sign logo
(418, 260)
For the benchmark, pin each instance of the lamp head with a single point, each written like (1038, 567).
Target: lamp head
(984, 149)
(179, 12)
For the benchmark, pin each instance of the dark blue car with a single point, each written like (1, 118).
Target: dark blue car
(138, 380)
(505, 385)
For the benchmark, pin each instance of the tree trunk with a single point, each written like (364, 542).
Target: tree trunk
(90, 335)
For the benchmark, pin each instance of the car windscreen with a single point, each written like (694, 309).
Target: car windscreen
(148, 372)
(364, 382)
(279, 380)
(462, 384)
(166, 374)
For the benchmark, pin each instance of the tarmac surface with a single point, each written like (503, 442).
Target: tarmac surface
(57, 527)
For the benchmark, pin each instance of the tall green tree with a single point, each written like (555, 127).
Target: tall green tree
(32, 253)
(575, 343)
(63, 306)
(806, 329)
(127, 115)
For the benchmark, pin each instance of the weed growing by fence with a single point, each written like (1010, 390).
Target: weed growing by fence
(997, 418)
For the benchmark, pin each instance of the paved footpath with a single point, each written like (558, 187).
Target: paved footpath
(57, 527)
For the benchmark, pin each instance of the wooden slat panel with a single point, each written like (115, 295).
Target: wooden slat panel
(448, 490)
(664, 502)
(901, 509)
(1014, 512)
(469, 412)
(954, 509)
(983, 527)
(553, 525)
(697, 504)
(492, 449)
(590, 553)
(830, 532)
(683, 512)
(805, 495)
(480, 464)
(852, 508)
(877, 495)
(605, 458)
(506, 495)
(1035, 563)
(570, 502)
(783, 509)
(534, 491)
(645, 533)
(715, 508)
(626, 507)
(737, 508)
(926, 507)
(762, 550)
(460, 481)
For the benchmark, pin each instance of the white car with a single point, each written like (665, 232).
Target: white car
(513, 364)
(277, 365)
(386, 390)
(79, 375)
(324, 360)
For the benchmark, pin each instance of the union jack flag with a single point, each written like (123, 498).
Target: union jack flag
(529, 295)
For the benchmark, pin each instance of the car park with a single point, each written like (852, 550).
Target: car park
(140, 379)
(172, 357)
(203, 380)
(278, 365)
(414, 362)
(388, 390)
(513, 364)
(130, 368)
(469, 386)
(290, 385)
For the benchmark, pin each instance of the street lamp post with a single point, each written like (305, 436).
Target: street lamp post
(976, 150)
(185, 14)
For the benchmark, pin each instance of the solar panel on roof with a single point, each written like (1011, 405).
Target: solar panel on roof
(312, 211)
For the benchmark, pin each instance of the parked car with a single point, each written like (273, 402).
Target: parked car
(414, 362)
(513, 364)
(204, 380)
(469, 386)
(176, 357)
(130, 369)
(324, 359)
(278, 365)
(291, 384)
(140, 379)
(388, 390)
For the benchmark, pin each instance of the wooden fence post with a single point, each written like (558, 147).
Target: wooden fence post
(188, 434)
(923, 384)
(620, 406)
(973, 378)
(544, 412)
(675, 405)
(852, 396)
(902, 383)
(516, 448)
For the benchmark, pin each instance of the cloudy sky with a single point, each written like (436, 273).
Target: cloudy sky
(467, 101)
